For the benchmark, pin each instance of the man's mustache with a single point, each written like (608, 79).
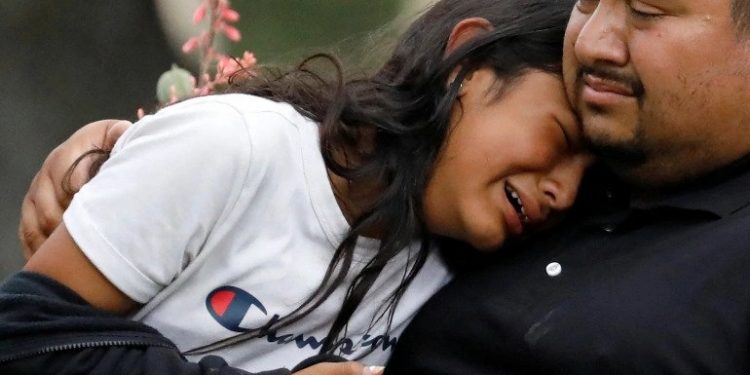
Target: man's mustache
(611, 74)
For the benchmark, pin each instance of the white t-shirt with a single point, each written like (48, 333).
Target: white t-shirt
(217, 215)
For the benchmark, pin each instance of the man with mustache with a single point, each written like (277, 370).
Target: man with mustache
(659, 283)
(651, 275)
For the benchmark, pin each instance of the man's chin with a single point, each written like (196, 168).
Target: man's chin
(631, 164)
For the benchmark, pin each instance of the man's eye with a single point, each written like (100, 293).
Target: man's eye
(643, 15)
(642, 11)
(586, 6)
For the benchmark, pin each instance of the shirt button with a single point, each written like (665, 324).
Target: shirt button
(609, 228)
(553, 269)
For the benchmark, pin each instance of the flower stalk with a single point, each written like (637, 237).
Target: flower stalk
(178, 84)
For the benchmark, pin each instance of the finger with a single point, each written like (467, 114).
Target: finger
(99, 134)
(51, 178)
(96, 131)
(65, 174)
(114, 132)
(28, 230)
(51, 189)
(47, 206)
(340, 368)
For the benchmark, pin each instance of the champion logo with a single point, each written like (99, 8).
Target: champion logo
(229, 305)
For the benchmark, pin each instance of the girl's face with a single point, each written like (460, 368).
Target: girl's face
(509, 164)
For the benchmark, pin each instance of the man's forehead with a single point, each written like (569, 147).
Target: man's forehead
(677, 4)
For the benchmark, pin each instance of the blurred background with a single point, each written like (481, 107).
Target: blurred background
(67, 63)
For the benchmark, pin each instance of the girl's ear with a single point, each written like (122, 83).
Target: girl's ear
(465, 30)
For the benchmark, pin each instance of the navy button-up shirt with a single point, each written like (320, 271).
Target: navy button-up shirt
(661, 286)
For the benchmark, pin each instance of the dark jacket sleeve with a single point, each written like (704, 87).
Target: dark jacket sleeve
(46, 328)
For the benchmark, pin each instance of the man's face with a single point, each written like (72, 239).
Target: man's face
(662, 86)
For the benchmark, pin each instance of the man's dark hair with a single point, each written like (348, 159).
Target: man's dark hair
(741, 16)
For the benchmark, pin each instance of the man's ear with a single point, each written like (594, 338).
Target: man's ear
(466, 30)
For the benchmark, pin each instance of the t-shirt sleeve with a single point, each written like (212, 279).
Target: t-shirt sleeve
(170, 179)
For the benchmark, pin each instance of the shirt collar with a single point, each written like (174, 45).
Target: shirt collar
(717, 195)
(721, 193)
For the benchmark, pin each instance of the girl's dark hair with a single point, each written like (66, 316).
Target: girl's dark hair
(407, 104)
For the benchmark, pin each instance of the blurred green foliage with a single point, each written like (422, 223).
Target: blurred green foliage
(283, 32)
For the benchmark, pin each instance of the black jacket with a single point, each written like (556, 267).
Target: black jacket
(46, 328)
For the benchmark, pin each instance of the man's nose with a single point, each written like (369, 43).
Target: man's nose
(602, 39)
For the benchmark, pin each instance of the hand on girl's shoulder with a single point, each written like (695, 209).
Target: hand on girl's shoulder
(53, 186)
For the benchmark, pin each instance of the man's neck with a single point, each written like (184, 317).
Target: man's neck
(714, 177)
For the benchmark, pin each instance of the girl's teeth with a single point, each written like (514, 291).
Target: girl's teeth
(515, 196)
